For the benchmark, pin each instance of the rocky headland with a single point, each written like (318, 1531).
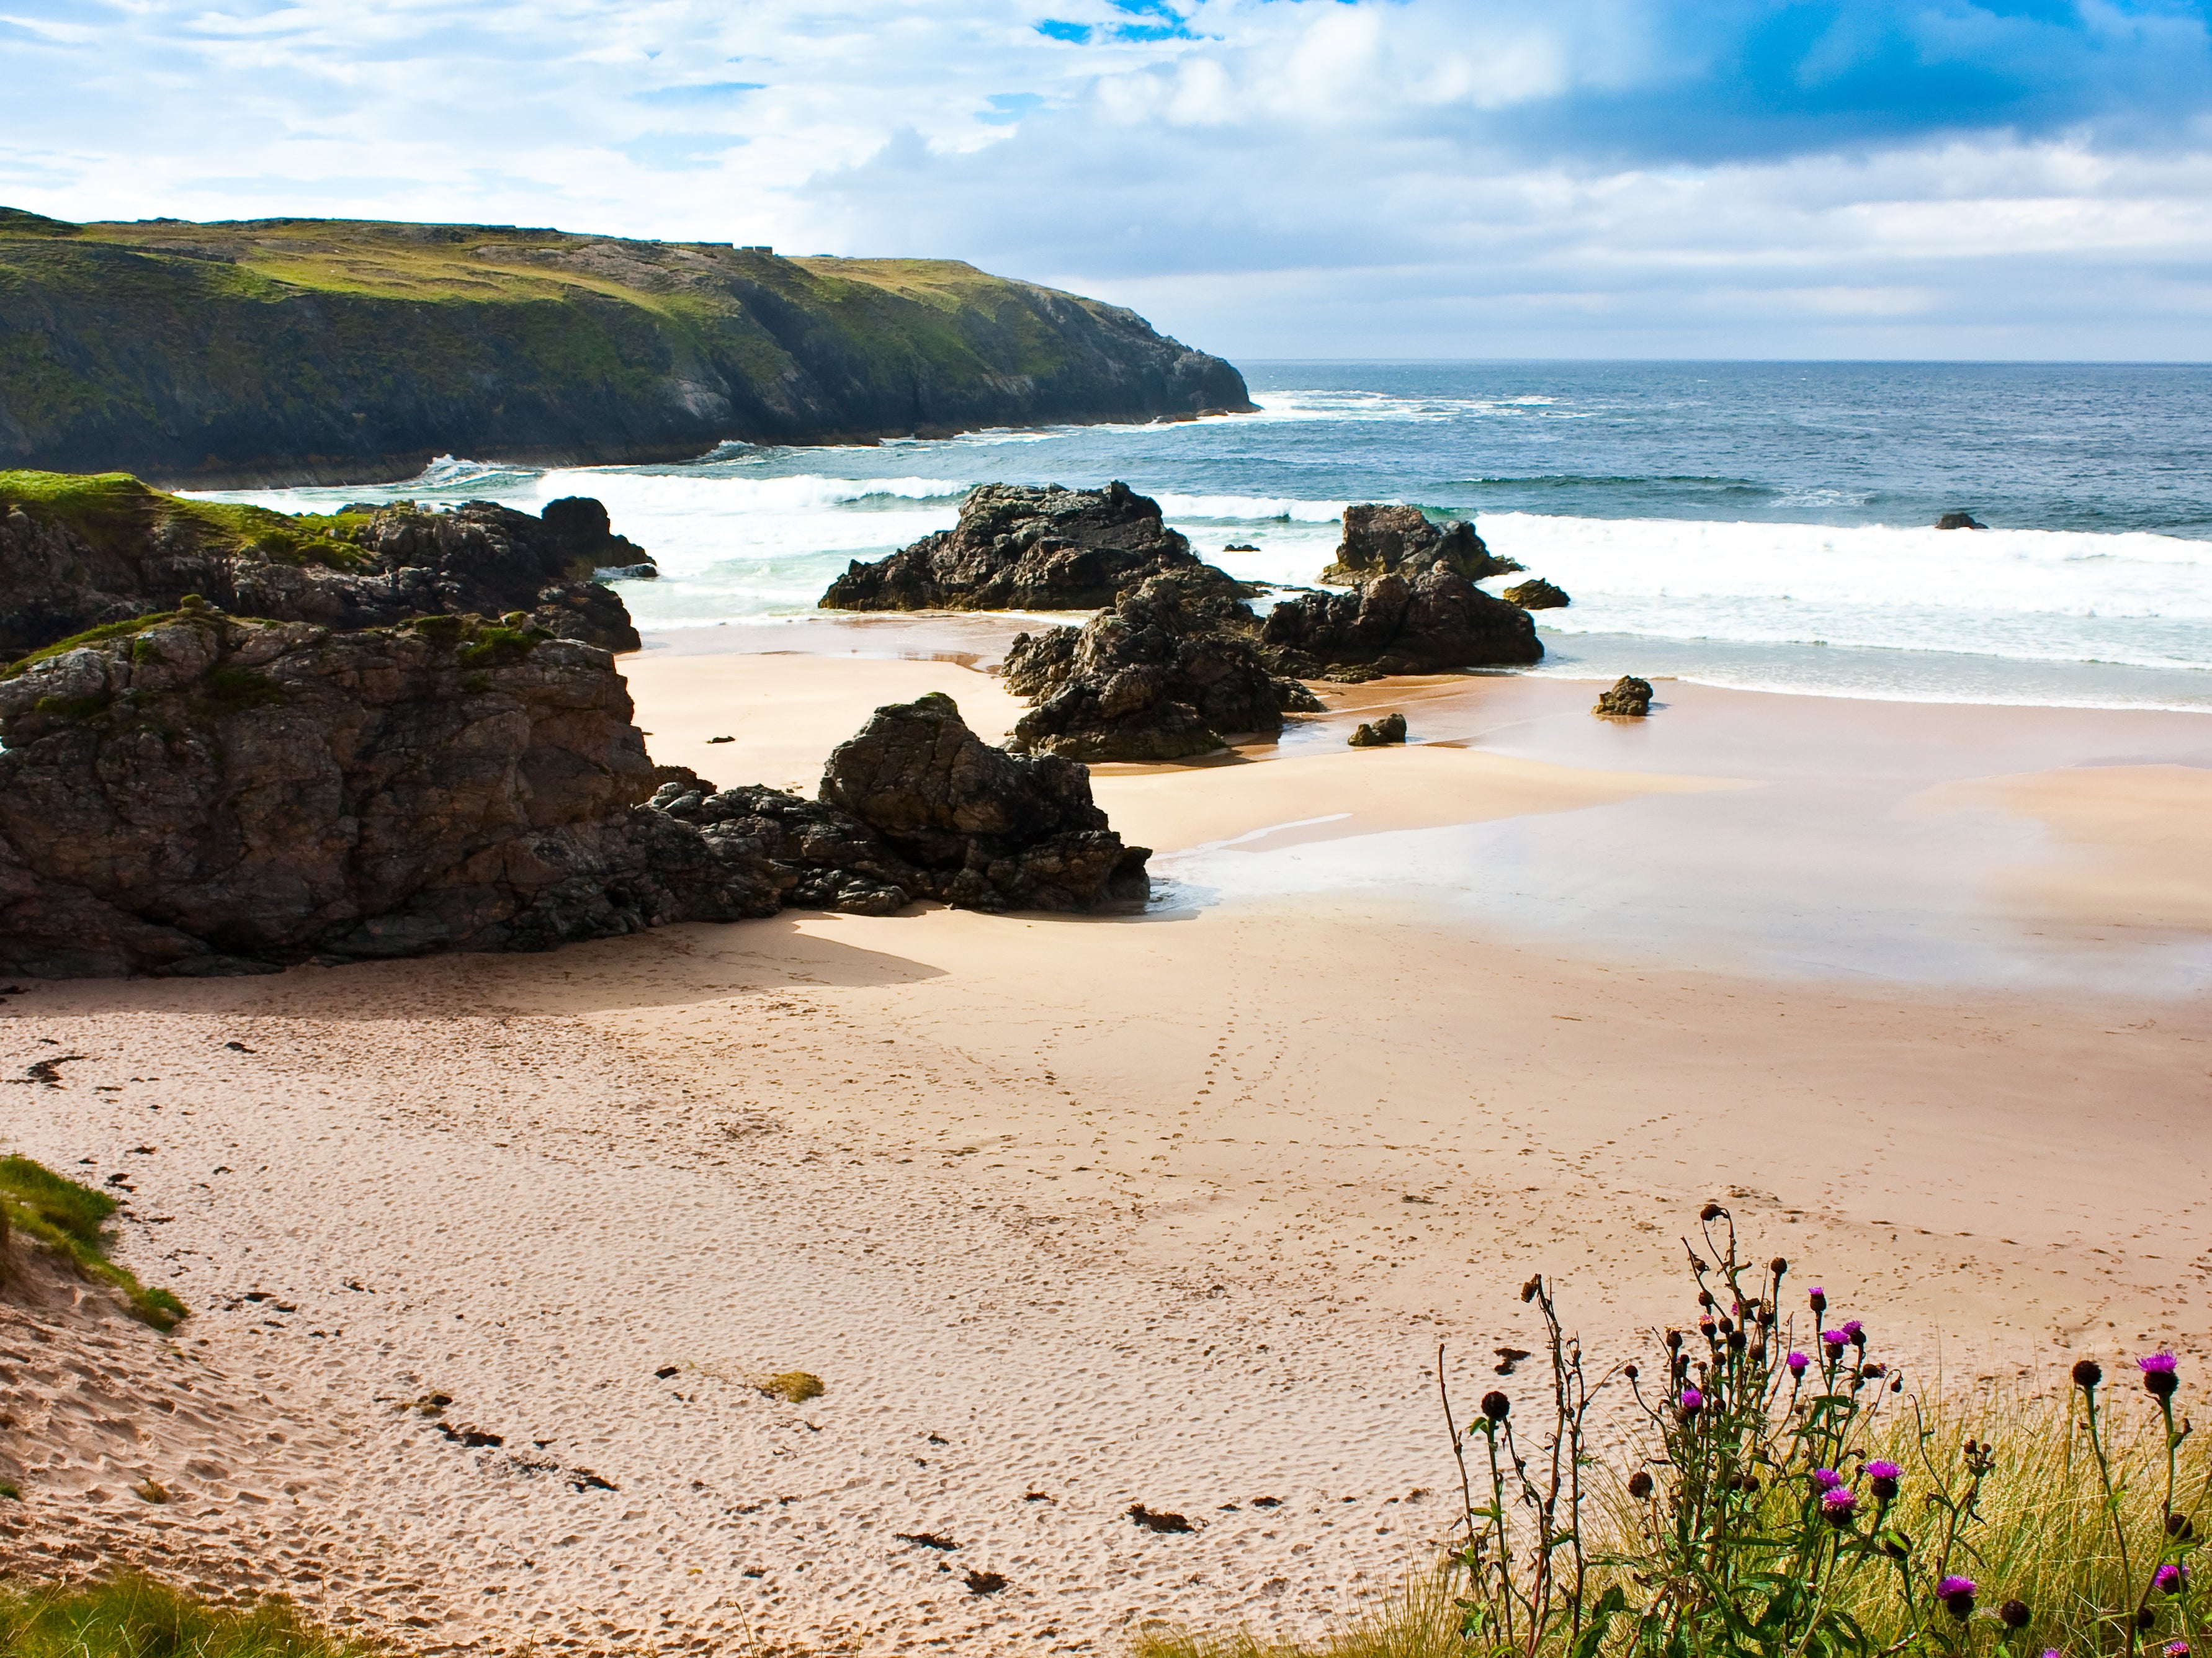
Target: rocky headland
(198, 794)
(1019, 547)
(305, 350)
(84, 552)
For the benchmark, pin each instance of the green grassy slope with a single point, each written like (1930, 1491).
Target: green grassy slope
(299, 349)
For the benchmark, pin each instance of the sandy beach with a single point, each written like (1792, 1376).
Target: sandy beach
(1071, 1215)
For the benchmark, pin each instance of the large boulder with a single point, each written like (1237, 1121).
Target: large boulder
(1628, 698)
(198, 794)
(1437, 622)
(987, 829)
(1385, 540)
(1019, 546)
(78, 553)
(1170, 671)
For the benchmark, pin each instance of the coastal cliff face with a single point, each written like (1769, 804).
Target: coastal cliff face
(312, 350)
(203, 795)
(81, 553)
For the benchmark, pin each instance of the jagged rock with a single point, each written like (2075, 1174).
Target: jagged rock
(1435, 624)
(207, 795)
(1380, 733)
(1629, 699)
(1022, 548)
(990, 829)
(99, 550)
(1167, 673)
(1960, 521)
(1536, 595)
(1383, 540)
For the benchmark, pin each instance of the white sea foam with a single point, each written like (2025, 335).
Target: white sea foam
(2037, 595)
(735, 542)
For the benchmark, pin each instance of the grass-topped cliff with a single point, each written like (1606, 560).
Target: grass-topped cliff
(297, 349)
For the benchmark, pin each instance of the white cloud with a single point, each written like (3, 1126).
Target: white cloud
(1420, 177)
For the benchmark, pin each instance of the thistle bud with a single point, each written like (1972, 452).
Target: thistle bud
(2015, 1613)
(1495, 1405)
(1818, 1298)
(2086, 1374)
(1639, 1484)
(1711, 1211)
(1630, 1372)
(1777, 1267)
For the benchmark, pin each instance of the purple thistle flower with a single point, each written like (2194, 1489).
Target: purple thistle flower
(1852, 1327)
(1957, 1594)
(2169, 1580)
(1797, 1362)
(2177, 1649)
(1834, 1338)
(1836, 1504)
(1692, 1401)
(1881, 1478)
(1827, 1479)
(2158, 1374)
(1951, 1586)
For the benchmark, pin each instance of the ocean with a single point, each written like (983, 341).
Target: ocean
(1757, 525)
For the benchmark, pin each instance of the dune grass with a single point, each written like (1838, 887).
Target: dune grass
(136, 1617)
(70, 1220)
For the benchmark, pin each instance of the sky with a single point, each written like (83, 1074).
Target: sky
(1264, 178)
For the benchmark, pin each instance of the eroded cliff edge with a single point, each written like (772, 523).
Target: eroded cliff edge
(296, 350)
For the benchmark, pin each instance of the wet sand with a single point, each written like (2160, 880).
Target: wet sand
(1073, 1214)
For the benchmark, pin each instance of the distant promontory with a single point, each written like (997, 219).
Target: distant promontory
(301, 351)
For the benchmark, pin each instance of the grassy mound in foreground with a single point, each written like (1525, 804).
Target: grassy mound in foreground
(139, 1618)
(71, 1220)
(115, 510)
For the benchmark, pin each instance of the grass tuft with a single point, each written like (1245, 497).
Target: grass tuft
(137, 1617)
(792, 1386)
(71, 1220)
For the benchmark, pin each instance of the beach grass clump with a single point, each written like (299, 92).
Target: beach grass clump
(792, 1387)
(137, 1616)
(1783, 1490)
(71, 1220)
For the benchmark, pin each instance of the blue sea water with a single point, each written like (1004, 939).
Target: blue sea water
(1759, 524)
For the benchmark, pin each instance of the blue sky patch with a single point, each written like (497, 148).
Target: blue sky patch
(1055, 28)
(1008, 107)
(710, 91)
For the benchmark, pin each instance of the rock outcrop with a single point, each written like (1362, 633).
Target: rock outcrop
(198, 794)
(1173, 670)
(1536, 595)
(1022, 548)
(1630, 698)
(1379, 733)
(1383, 540)
(1960, 521)
(1436, 623)
(987, 830)
(77, 553)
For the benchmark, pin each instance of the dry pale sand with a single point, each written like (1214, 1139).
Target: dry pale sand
(1074, 1214)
